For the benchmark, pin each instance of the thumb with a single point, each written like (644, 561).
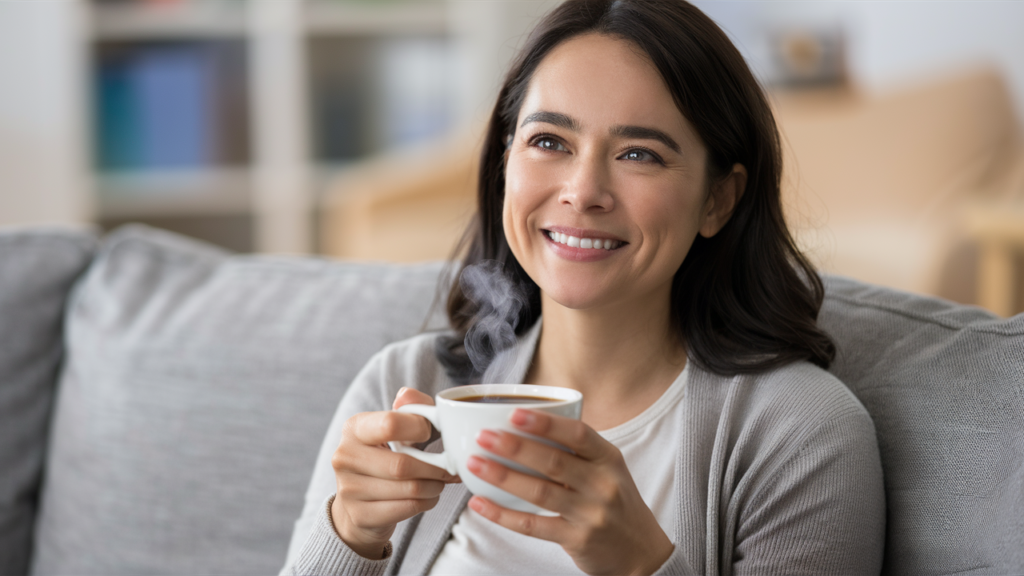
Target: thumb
(411, 396)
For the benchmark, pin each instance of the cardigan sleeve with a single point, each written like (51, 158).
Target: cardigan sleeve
(823, 510)
(324, 553)
(676, 565)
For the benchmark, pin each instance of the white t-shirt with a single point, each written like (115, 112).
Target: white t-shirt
(649, 444)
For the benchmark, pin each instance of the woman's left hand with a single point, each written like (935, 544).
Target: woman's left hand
(605, 526)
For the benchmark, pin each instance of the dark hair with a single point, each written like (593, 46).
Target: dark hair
(745, 300)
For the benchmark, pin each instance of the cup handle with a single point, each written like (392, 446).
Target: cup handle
(439, 460)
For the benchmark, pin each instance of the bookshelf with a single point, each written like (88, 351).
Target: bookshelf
(142, 21)
(236, 114)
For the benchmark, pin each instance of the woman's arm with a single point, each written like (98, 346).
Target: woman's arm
(355, 477)
(821, 512)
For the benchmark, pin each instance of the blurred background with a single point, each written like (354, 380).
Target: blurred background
(350, 128)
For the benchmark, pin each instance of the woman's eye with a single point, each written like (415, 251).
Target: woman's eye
(640, 155)
(549, 144)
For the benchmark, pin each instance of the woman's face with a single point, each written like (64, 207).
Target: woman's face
(605, 180)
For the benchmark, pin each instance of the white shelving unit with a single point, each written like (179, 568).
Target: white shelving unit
(193, 20)
(279, 186)
(208, 192)
(334, 17)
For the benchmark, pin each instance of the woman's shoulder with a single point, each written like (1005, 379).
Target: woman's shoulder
(794, 402)
(406, 363)
(808, 388)
(411, 349)
(413, 361)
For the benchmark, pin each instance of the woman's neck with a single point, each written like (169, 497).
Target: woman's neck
(622, 358)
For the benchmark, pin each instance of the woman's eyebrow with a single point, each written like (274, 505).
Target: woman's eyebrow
(556, 118)
(570, 123)
(645, 134)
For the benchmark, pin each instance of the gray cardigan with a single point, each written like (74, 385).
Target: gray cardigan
(780, 474)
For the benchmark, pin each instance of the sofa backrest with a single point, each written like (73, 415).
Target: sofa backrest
(195, 396)
(198, 385)
(37, 269)
(944, 384)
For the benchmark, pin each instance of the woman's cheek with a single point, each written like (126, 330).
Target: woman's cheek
(515, 222)
(524, 196)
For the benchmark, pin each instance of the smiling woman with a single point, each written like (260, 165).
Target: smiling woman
(629, 188)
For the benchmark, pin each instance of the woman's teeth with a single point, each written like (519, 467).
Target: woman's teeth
(591, 243)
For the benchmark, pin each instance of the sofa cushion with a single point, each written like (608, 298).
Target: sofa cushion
(944, 384)
(37, 270)
(196, 393)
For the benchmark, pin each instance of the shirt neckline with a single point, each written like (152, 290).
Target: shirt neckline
(527, 348)
(668, 399)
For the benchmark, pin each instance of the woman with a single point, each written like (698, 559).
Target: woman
(630, 187)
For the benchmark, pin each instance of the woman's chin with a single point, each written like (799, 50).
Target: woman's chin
(576, 298)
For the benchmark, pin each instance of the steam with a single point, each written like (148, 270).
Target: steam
(491, 342)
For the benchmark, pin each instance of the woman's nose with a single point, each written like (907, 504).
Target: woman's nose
(587, 187)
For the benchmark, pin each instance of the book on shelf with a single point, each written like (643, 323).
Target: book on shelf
(339, 79)
(368, 95)
(173, 90)
(171, 105)
(117, 123)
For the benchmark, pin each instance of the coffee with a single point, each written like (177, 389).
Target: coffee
(505, 399)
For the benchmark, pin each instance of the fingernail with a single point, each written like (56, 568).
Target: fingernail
(475, 464)
(401, 391)
(486, 439)
(523, 418)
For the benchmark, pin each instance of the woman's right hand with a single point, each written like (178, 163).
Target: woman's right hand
(378, 488)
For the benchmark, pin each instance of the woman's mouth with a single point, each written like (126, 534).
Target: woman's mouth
(584, 243)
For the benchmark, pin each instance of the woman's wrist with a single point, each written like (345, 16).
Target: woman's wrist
(369, 548)
(657, 559)
(653, 556)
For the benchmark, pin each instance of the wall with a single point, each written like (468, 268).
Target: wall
(892, 43)
(42, 167)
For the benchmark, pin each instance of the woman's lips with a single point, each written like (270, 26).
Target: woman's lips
(581, 248)
(583, 242)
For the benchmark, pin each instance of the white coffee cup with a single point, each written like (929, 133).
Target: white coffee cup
(460, 421)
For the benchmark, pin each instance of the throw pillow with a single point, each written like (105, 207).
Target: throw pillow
(196, 394)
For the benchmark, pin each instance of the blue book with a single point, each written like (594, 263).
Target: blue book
(174, 89)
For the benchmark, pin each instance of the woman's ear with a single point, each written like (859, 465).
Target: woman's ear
(724, 196)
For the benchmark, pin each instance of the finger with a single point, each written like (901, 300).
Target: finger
(558, 465)
(568, 432)
(369, 515)
(367, 489)
(376, 428)
(543, 527)
(411, 396)
(378, 462)
(544, 493)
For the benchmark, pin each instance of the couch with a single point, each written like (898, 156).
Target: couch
(162, 402)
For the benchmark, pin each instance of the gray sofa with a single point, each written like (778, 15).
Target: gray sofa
(162, 402)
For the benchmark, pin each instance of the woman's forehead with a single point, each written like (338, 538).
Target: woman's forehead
(600, 82)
